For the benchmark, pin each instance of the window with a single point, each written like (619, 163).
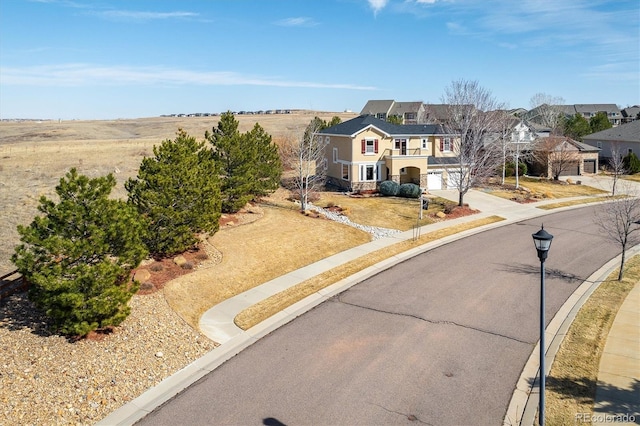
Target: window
(599, 145)
(410, 115)
(630, 151)
(399, 143)
(368, 172)
(335, 155)
(327, 139)
(381, 115)
(345, 172)
(403, 171)
(445, 145)
(369, 146)
(425, 143)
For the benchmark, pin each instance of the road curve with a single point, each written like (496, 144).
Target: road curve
(439, 339)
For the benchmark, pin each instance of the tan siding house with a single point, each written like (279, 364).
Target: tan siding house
(364, 151)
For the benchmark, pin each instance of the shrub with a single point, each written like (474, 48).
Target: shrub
(187, 266)
(510, 169)
(409, 190)
(156, 267)
(389, 187)
(632, 163)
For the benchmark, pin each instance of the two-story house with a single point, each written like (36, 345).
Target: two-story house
(364, 151)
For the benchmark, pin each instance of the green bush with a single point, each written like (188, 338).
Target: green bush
(510, 169)
(409, 190)
(631, 163)
(389, 187)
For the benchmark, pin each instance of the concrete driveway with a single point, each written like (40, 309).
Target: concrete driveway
(439, 339)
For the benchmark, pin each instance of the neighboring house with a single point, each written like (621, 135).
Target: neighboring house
(590, 110)
(585, 110)
(626, 138)
(630, 114)
(563, 156)
(378, 108)
(410, 112)
(364, 151)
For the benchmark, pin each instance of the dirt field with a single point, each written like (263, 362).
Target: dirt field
(34, 155)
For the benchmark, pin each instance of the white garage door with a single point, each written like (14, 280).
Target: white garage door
(453, 179)
(434, 180)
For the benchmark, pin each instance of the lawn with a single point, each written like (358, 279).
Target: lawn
(535, 189)
(384, 212)
(571, 383)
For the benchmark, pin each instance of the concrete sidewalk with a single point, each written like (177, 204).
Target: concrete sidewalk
(217, 323)
(618, 392)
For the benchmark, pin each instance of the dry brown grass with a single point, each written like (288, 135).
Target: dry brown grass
(35, 155)
(543, 189)
(391, 212)
(578, 202)
(276, 303)
(280, 242)
(571, 384)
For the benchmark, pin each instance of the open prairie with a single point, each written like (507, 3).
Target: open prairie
(34, 155)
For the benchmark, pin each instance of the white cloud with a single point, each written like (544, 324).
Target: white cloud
(95, 75)
(296, 22)
(377, 5)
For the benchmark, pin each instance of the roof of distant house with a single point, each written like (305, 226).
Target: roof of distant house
(357, 124)
(629, 132)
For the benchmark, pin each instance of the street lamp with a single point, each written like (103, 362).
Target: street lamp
(542, 240)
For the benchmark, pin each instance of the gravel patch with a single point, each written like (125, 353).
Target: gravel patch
(46, 379)
(376, 232)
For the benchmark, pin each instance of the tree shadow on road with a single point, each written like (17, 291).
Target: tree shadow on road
(525, 269)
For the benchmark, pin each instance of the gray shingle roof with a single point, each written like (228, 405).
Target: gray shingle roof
(355, 125)
(377, 106)
(629, 132)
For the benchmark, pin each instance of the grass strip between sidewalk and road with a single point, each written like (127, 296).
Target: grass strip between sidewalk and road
(571, 384)
(276, 303)
(578, 202)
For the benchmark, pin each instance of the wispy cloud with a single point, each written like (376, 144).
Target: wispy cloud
(296, 22)
(95, 75)
(134, 15)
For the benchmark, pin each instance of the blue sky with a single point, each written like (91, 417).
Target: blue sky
(105, 59)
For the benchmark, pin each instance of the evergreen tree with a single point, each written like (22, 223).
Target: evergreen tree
(576, 127)
(267, 166)
(599, 122)
(178, 191)
(78, 255)
(249, 163)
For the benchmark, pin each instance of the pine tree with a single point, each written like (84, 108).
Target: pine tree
(249, 163)
(267, 166)
(178, 191)
(78, 255)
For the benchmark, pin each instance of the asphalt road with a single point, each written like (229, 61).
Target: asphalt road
(440, 339)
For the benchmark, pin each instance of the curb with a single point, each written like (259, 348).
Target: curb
(144, 404)
(524, 402)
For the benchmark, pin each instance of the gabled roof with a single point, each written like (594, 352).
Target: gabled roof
(581, 108)
(399, 108)
(377, 106)
(629, 132)
(356, 125)
(631, 111)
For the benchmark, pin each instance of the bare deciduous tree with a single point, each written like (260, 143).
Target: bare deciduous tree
(556, 154)
(619, 222)
(304, 155)
(616, 165)
(548, 109)
(472, 114)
